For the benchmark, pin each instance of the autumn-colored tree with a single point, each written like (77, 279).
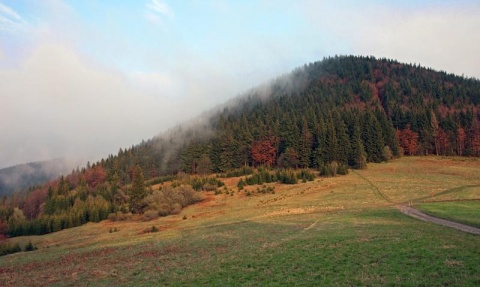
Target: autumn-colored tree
(33, 203)
(461, 137)
(408, 140)
(264, 151)
(95, 176)
(475, 139)
(435, 130)
(442, 142)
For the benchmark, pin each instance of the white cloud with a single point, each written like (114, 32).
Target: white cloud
(157, 10)
(9, 19)
(160, 7)
(439, 36)
(9, 12)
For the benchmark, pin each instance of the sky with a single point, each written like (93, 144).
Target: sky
(81, 79)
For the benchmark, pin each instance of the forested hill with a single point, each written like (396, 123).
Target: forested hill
(340, 112)
(344, 109)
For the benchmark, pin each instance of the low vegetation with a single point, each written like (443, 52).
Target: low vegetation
(340, 231)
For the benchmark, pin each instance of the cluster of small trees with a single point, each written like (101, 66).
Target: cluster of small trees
(286, 176)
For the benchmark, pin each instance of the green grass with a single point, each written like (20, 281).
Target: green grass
(467, 212)
(340, 231)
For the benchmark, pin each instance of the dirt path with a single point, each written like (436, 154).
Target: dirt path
(422, 216)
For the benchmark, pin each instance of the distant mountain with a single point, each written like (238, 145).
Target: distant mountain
(30, 174)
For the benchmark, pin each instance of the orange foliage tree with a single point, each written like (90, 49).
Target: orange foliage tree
(264, 151)
(461, 137)
(408, 140)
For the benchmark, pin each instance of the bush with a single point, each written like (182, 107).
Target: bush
(306, 175)
(240, 184)
(387, 153)
(150, 215)
(239, 172)
(112, 217)
(342, 169)
(333, 168)
(6, 249)
(124, 216)
(287, 176)
(154, 229)
(30, 247)
(176, 209)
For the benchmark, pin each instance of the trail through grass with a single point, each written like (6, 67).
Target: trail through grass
(467, 212)
(330, 232)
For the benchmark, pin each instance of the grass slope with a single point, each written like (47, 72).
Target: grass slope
(333, 231)
(467, 212)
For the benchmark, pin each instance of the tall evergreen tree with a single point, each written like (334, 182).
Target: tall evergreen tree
(372, 138)
(137, 190)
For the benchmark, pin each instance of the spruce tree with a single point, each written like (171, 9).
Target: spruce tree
(137, 190)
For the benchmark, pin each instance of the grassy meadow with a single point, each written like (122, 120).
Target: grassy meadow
(342, 231)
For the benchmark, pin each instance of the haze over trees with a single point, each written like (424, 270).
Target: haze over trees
(330, 115)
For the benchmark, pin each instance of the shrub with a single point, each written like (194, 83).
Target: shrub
(112, 217)
(240, 184)
(239, 172)
(387, 153)
(150, 215)
(176, 208)
(342, 169)
(306, 175)
(30, 247)
(154, 229)
(124, 216)
(6, 249)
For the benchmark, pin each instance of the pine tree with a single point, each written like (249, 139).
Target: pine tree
(137, 190)
(343, 142)
(357, 158)
(372, 138)
(305, 145)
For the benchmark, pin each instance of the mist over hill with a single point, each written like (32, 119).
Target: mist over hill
(333, 115)
(30, 174)
(339, 109)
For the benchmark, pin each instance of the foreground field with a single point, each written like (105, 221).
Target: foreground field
(333, 231)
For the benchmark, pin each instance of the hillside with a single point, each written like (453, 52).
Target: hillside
(339, 113)
(343, 109)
